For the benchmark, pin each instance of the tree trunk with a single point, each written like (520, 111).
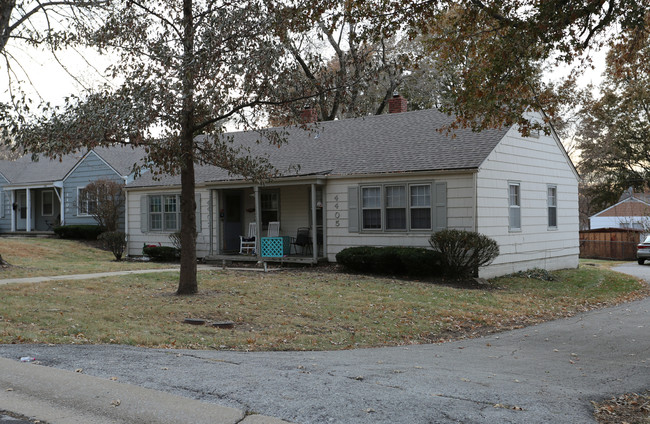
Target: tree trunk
(187, 283)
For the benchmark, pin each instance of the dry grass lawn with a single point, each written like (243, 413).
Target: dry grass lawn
(295, 310)
(36, 257)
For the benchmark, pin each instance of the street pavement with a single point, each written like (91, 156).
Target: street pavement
(545, 373)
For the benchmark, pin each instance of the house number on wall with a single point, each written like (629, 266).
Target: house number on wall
(337, 214)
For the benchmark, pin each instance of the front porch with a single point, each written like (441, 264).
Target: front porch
(34, 209)
(279, 223)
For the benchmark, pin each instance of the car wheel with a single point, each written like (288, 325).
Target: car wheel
(640, 261)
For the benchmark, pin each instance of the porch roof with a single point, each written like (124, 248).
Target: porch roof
(393, 143)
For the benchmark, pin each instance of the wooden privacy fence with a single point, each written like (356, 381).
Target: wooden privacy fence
(609, 243)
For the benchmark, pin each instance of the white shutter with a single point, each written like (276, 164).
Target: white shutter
(440, 206)
(353, 209)
(197, 199)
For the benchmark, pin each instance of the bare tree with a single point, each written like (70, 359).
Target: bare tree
(104, 200)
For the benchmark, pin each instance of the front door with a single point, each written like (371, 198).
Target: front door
(232, 221)
(21, 211)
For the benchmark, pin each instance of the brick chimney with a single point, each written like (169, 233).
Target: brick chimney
(308, 115)
(397, 104)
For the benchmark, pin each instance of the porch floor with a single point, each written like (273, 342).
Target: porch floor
(235, 257)
(28, 234)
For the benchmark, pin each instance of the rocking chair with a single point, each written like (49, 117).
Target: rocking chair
(247, 244)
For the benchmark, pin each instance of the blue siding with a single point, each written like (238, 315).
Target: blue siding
(5, 204)
(91, 168)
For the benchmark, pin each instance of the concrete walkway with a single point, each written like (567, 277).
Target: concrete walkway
(117, 273)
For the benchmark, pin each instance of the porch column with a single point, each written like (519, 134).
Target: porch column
(28, 223)
(62, 220)
(217, 221)
(314, 230)
(126, 219)
(211, 223)
(13, 211)
(258, 222)
(324, 213)
(59, 194)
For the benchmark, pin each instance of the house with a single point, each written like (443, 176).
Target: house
(388, 180)
(632, 211)
(39, 193)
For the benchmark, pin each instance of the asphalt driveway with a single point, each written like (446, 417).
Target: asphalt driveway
(540, 374)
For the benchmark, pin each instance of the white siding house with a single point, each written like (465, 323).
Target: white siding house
(388, 180)
(540, 228)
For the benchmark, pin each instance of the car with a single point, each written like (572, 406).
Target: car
(643, 251)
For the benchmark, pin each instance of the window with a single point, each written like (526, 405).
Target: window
(171, 210)
(402, 207)
(395, 207)
(371, 207)
(552, 206)
(514, 203)
(164, 213)
(47, 203)
(421, 207)
(270, 202)
(86, 203)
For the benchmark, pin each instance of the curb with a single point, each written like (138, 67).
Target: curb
(64, 397)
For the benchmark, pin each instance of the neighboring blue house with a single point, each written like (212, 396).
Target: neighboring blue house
(36, 195)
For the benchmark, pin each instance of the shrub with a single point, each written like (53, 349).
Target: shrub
(160, 253)
(463, 252)
(78, 232)
(411, 261)
(115, 241)
(422, 262)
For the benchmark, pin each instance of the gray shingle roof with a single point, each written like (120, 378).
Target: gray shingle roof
(393, 143)
(26, 171)
(121, 158)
